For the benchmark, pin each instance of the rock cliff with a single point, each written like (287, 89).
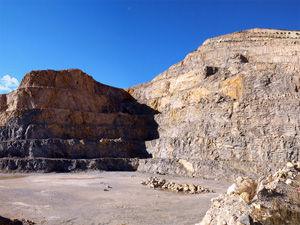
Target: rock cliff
(66, 114)
(230, 107)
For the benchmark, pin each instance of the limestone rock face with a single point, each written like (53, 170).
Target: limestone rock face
(233, 103)
(272, 201)
(66, 114)
(229, 108)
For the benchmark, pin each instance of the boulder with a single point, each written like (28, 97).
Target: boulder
(279, 206)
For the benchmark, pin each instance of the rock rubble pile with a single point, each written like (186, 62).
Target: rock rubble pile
(6, 221)
(271, 200)
(154, 182)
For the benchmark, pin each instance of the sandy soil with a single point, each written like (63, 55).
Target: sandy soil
(79, 198)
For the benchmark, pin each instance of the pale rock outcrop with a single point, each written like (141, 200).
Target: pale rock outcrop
(268, 200)
(229, 108)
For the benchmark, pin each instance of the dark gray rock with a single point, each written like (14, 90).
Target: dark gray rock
(66, 165)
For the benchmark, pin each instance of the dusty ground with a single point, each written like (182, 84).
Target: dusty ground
(79, 198)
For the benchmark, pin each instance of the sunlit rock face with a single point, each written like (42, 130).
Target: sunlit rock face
(67, 114)
(230, 107)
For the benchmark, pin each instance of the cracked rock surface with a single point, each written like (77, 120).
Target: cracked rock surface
(269, 200)
(66, 121)
(230, 108)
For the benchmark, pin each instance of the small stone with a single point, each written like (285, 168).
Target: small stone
(244, 209)
(245, 196)
(282, 174)
(244, 220)
(247, 185)
(232, 219)
(161, 182)
(171, 185)
(290, 174)
(221, 222)
(258, 206)
(289, 181)
(199, 189)
(239, 180)
(105, 189)
(192, 188)
(214, 199)
(232, 189)
(206, 220)
(287, 169)
(179, 187)
(185, 187)
(272, 191)
(217, 204)
(290, 165)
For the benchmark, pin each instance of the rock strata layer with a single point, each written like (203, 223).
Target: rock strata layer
(231, 106)
(67, 115)
(46, 165)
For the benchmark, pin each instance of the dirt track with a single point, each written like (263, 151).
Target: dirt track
(79, 198)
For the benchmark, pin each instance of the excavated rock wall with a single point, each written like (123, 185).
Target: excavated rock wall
(47, 165)
(66, 114)
(230, 107)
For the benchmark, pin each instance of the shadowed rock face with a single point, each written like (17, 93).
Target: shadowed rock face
(230, 107)
(66, 114)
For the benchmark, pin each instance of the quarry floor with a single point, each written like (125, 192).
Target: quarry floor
(80, 198)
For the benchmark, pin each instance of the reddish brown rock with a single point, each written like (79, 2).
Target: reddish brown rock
(67, 114)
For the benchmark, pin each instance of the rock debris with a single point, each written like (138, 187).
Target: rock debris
(156, 183)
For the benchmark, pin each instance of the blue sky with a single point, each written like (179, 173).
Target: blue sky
(122, 43)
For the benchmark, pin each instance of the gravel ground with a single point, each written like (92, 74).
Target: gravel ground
(80, 198)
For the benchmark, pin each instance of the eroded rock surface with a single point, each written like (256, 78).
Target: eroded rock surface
(268, 200)
(68, 115)
(230, 107)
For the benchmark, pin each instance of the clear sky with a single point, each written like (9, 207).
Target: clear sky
(122, 43)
